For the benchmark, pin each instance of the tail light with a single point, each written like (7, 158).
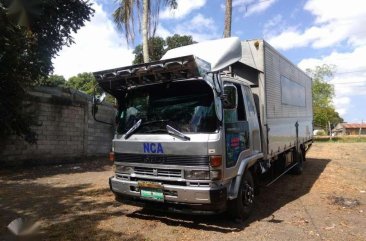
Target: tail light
(111, 156)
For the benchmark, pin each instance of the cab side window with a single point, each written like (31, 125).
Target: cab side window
(241, 109)
(236, 114)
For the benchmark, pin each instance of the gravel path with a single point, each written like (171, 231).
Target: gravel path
(73, 202)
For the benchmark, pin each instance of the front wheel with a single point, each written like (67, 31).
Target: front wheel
(242, 206)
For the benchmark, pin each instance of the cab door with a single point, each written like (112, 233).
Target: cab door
(236, 126)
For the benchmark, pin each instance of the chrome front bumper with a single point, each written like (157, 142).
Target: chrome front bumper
(213, 199)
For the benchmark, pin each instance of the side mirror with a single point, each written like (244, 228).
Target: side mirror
(99, 98)
(230, 100)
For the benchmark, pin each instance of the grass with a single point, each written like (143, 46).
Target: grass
(342, 139)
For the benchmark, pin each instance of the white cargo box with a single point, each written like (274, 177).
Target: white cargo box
(282, 93)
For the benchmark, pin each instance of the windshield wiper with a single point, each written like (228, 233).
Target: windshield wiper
(177, 133)
(133, 129)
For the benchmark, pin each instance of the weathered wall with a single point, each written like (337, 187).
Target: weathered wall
(66, 130)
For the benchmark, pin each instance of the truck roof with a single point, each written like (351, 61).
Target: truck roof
(219, 53)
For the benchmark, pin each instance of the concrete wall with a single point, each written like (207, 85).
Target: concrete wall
(65, 127)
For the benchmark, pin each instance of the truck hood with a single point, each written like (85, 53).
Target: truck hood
(118, 81)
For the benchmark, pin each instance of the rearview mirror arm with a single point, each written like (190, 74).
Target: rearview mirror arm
(95, 108)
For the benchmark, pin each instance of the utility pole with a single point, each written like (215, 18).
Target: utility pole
(228, 17)
(360, 131)
(330, 130)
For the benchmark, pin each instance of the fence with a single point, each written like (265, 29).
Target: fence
(66, 130)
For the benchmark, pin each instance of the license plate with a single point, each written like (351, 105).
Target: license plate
(152, 194)
(149, 185)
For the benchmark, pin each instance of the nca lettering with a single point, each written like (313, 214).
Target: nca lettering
(153, 148)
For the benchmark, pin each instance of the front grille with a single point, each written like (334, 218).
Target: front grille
(164, 182)
(163, 159)
(157, 172)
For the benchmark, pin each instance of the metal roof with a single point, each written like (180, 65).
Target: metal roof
(354, 125)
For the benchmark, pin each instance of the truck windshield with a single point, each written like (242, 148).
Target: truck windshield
(187, 106)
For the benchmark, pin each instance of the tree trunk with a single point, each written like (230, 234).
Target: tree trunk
(228, 13)
(144, 27)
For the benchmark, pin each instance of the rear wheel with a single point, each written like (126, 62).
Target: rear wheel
(242, 206)
(299, 157)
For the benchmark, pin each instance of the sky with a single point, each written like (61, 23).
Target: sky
(307, 32)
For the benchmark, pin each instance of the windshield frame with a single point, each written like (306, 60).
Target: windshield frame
(213, 107)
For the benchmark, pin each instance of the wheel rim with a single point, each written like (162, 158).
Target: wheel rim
(247, 194)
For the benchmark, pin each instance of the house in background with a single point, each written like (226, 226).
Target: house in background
(350, 129)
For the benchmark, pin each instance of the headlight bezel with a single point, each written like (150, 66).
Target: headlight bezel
(197, 174)
(123, 169)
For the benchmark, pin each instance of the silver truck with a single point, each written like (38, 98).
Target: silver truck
(195, 130)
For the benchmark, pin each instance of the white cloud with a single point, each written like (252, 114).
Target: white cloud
(335, 21)
(199, 27)
(345, 61)
(259, 6)
(249, 7)
(274, 26)
(97, 46)
(350, 77)
(342, 105)
(329, 10)
(163, 32)
(200, 23)
(184, 8)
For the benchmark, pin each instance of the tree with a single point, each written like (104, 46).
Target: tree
(84, 82)
(177, 41)
(126, 12)
(228, 17)
(32, 32)
(52, 81)
(156, 50)
(323, 93)
(158, 46)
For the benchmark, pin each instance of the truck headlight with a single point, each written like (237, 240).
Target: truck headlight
(215, 175)
(196, 175)
(123, 169)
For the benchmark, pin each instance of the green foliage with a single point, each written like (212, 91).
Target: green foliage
(323, 94)
(321, 133)
(156, 50)
(26, 51)
(340, 139)
(158, 46)
(86, 83)
(52, 81)
(177, 41)
(16, 71)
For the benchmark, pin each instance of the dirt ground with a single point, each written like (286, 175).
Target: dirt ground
(73, 202)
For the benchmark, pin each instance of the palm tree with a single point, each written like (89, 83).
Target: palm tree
(125, 17)
(228, 13)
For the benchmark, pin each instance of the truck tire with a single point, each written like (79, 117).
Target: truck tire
(242, 206)
(299, 157)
